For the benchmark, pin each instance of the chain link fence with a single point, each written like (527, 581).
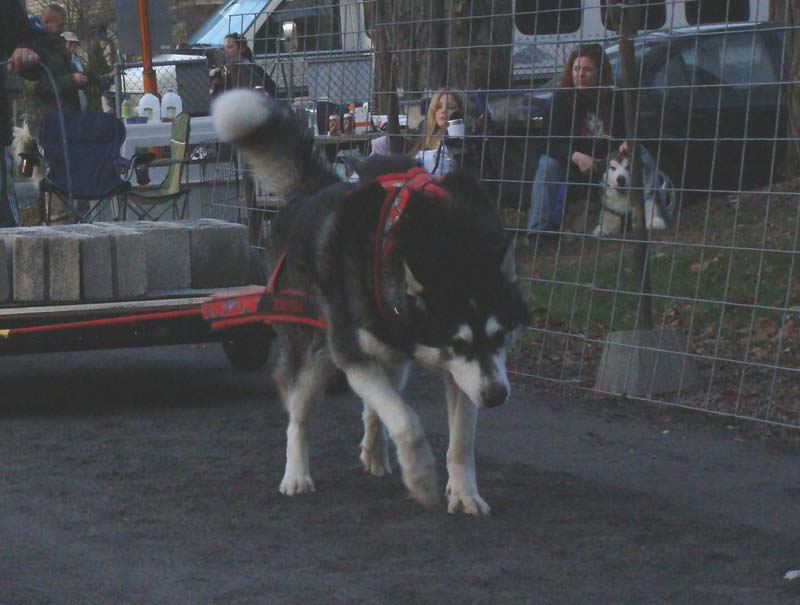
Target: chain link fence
(713, 323)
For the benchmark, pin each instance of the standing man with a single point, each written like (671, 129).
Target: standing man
(15, 34)
(73, 43)
(43, 98)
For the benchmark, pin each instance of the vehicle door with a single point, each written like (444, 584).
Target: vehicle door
(732, 106)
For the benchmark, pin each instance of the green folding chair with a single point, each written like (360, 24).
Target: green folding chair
(154, 202)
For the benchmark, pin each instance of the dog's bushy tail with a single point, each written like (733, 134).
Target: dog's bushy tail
(274, 141)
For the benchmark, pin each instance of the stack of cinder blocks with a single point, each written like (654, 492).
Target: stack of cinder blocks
(119, 261)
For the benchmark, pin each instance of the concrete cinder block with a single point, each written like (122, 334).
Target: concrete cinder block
(219, 254)
(646, 362)
(5, 274)
(28, 249)
(167, 248)
(63, 267)
(6, 286)
(128, 261)
(96, 272)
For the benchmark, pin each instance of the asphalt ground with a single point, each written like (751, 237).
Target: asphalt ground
(151, 476)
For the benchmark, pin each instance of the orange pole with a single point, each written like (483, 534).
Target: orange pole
(148, 73)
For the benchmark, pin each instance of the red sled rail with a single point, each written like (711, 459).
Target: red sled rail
(166, 319)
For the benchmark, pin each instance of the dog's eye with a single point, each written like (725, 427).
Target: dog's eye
(498, 339)
(460, 346)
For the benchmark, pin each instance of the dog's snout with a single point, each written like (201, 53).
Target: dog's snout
(494, 395)
(621, 180)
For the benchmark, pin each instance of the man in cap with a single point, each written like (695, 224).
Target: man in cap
(73, 43)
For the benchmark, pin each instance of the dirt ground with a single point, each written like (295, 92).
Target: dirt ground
(151, 476)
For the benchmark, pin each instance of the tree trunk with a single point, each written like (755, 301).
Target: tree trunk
(793, 90)
(424, 45)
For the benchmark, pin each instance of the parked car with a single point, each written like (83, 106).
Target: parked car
(712, 105)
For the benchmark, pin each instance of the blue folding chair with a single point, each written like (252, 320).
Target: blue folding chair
(94, 141)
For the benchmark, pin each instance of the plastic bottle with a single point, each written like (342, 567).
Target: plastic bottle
(171, 106)
(150, 107)
(125, 108)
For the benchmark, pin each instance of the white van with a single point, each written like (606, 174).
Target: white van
(545, 31)
(328, 55)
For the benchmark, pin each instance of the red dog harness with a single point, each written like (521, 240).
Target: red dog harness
(265, 305)
(274, 305)
(399, 187)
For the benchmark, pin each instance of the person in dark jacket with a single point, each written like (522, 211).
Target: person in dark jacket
(16, 37)
(58, 59)
(586, 122)
(239, 71)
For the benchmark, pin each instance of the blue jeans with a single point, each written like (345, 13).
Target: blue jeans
(9, 215)
(549, 190)
(547, 196)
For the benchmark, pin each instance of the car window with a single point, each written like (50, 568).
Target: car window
(543, 17)
(699, 12)
(671, 73)
(652, 16)
(732, 59)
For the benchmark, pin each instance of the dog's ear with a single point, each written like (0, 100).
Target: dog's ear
(413, 287)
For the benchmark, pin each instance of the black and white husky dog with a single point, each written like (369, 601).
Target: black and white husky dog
(615, 197)
(432, 280)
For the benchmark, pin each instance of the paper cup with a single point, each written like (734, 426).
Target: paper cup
(455, 129)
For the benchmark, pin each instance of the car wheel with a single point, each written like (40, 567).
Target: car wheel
(249, 350)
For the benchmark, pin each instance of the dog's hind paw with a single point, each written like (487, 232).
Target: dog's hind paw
(294, 486)
(470, 503)
(376, 463)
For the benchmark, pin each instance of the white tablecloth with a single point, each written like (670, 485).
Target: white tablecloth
(201, 129)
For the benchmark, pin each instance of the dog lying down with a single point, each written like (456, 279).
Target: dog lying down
(402, 270)
(616, 204)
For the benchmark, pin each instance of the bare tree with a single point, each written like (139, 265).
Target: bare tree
(423, 45)
(793, 39)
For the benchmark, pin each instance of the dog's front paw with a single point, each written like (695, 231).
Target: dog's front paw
(376, 462)
(424, 488)
(293, 485)
(466, 500)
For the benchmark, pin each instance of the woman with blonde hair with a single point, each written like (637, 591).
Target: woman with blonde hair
(430, 149)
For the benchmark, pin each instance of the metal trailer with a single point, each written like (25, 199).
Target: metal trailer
(166, 319)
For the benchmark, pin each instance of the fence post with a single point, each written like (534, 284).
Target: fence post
(118, 69)
(644, 317)
(641, 361)
(148, 73)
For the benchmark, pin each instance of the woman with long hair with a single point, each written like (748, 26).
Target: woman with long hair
(585, 116)
(430, 149)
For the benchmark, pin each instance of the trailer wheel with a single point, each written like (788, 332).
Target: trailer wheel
(249, 350)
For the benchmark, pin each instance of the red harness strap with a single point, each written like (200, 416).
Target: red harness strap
(272, 305)
(399, 187)
(263, 305)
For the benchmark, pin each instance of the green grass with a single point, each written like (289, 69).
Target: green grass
(724, 270)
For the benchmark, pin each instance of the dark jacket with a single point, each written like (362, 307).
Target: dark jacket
(565, 128)
(241, 75)
(59, 61)
(15, 31)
